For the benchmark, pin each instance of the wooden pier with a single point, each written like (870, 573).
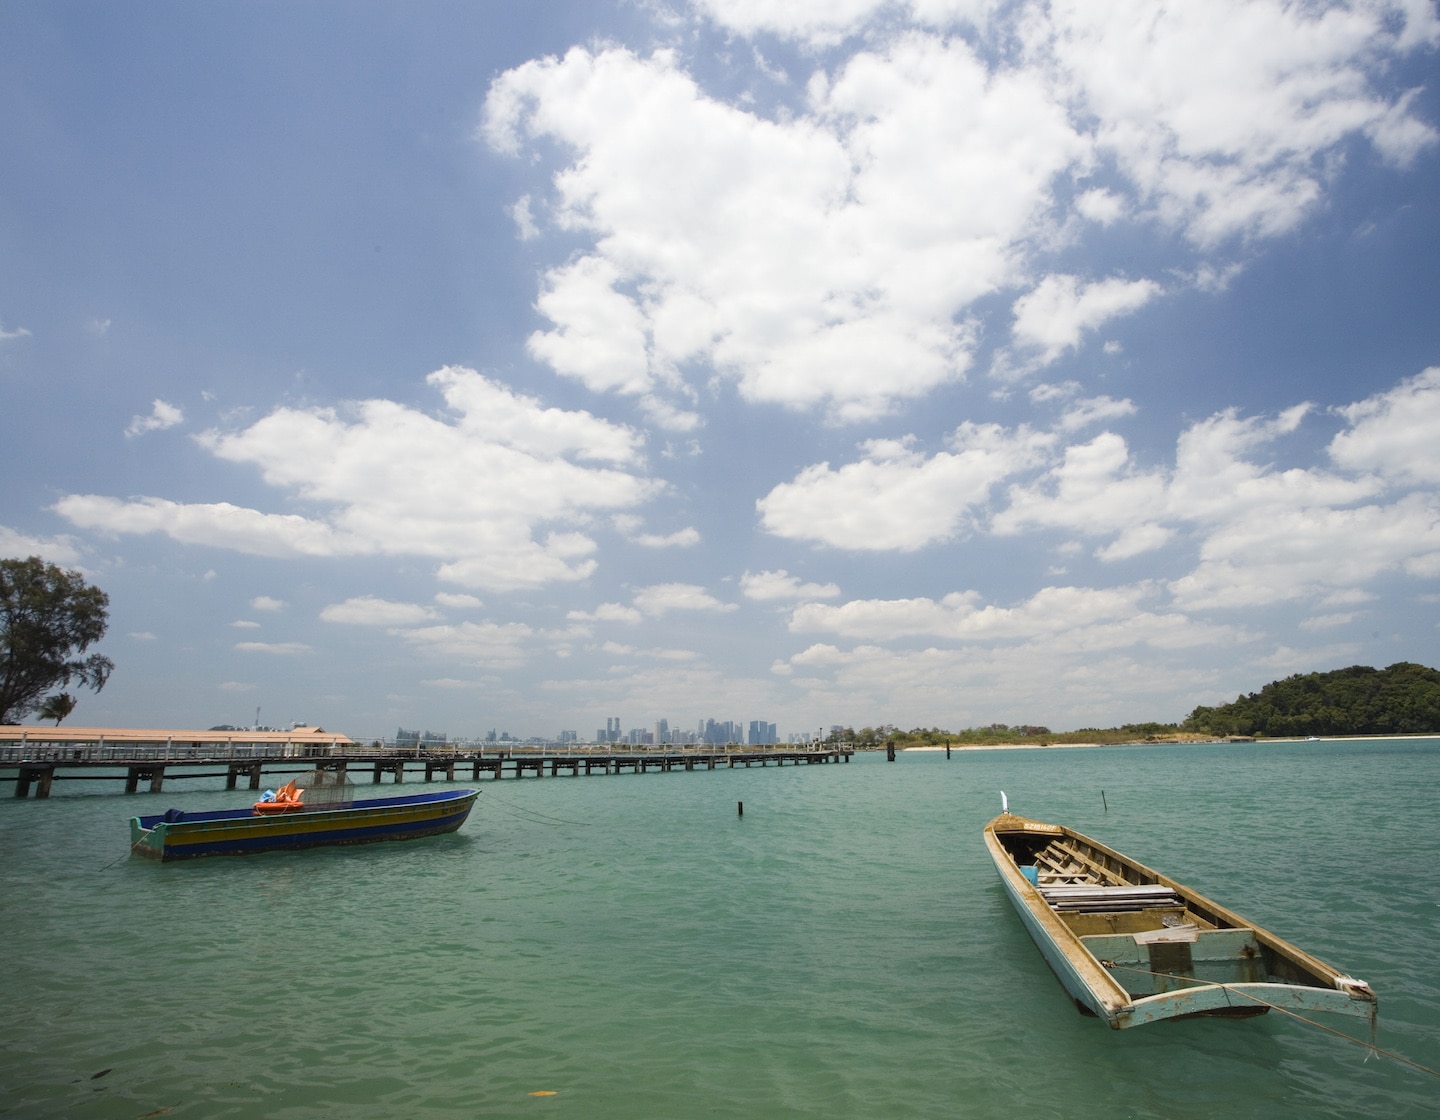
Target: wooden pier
(42, 757)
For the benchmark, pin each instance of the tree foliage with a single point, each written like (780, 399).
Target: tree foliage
(49, 617)
(1403, 699)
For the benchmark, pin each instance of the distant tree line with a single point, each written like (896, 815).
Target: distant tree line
(1403, 699)
(996, 734)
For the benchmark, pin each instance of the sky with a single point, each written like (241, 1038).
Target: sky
(482, 366)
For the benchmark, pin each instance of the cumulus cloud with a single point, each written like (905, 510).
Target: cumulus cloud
(266, 603)
(1396, 433)
(607, 612)
(278, 649)
(458, 601)
(489, 644)
(498, 492)
(662, 598)
(18, 332)
(781, 585)
(367, 610)
(1261, 534)
(1054, 315)
(842, 253)
(821, 260)
(162, 415)
(62, 550)
(895, 498)
(629, 525)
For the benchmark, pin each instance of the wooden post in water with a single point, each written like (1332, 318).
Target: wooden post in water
(741, 806)
(890, 750)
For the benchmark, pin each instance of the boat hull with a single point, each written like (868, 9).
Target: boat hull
(1230, 968)
(177, 835)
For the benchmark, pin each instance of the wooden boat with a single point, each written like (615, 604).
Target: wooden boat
(177, 834)
(1133, 946)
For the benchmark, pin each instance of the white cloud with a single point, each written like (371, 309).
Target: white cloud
(607, 612)
(367, 610)
(1093, 490)
(18, 332)
(1100, 206)
(1104, 616)
(162, 415)
(1054, 315)
(1275, 555)
(279, 649)
(496, 492)
(798, 257)
(770, 586)
(896, 498)
(1095, 410)
(524, 220)
(1219, 112)
(661, 598)
(458, 601)
(245, 624)
(629, 525)
(63, 550)
(491, 644)
(1395, 433)
(838, 254)
(266, 603)
(1319, 622)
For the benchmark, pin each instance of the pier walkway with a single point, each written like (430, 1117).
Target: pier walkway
(41, 756)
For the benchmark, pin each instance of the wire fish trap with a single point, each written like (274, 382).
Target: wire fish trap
(326, 789)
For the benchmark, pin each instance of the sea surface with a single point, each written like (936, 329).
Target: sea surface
(635, 948)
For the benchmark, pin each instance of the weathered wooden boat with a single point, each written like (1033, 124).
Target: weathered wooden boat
(1133, 946)
(178, 834)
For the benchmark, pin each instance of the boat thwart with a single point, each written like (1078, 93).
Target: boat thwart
(1133, 946)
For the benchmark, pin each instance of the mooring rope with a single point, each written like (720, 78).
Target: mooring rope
(1374, 1049)
(529, 814)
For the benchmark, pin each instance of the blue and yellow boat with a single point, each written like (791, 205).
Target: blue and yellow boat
(276, 824)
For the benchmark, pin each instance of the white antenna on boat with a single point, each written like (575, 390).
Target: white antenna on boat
(1004, 802)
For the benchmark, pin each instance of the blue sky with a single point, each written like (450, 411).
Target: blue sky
(938, 362)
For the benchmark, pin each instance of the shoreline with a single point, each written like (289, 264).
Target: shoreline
(1169, 743)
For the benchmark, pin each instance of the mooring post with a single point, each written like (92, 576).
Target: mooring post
(741, 805)
(890, 750)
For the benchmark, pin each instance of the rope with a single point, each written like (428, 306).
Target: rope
(1283, 1011)
(529, 814)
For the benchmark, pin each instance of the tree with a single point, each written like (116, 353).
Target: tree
(48, 618)
(56, 707)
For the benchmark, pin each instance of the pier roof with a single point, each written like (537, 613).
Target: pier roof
(299, 736)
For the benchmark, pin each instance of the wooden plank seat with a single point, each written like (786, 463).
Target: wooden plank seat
(1095, 898)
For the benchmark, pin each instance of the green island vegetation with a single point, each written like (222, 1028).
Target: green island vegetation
(1403, 699)
(1000, 734)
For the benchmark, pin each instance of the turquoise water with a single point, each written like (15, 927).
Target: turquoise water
(633, 946)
